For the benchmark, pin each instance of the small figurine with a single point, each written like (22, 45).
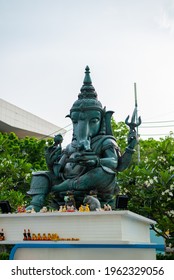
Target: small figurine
(33, 211)
(34, 237)
(54, 237)
(43, 210)
(39, 237)
(28, 235)
(107, 207)
(21, 209)
(82, 208)
(49, 237)
(61, 208)
(44, 237)
(87, 209)
(64, 208)
(69, 199)
(2, 236)
(25, 235)
(93, 202)
(70, 208)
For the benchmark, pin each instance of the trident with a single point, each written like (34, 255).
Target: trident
(135, 120)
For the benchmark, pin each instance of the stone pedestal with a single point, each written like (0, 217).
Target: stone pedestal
(101, 235)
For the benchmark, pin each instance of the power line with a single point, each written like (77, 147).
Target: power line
(160, 121)
(57, 131)
(141, 127)
(156, 134)
(156, 126)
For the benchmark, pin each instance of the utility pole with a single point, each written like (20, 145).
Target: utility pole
(136, 118)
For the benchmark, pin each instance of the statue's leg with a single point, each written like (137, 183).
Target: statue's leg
(94, 179)
(39, 188)
(37, 202)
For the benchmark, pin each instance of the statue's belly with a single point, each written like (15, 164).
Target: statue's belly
(73, 169)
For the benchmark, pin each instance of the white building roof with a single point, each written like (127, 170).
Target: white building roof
(23, 123)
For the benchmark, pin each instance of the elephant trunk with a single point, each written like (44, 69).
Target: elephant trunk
(81, 132)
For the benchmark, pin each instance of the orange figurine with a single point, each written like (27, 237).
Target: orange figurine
(44, 237)
(39, 237)
(49, 236)
(34, 237)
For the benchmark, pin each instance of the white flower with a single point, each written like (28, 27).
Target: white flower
(171, 168)
(147, 183)
(155, 178)
(151, 181)
(27, 176)
(160, 158)
(171, 213)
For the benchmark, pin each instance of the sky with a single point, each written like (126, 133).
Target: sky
(45, 46)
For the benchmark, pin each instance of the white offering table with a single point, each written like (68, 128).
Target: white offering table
(102, 235)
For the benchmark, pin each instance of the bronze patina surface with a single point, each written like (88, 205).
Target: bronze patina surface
(92, 159)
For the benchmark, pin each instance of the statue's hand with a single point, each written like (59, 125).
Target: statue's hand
(132, 138)
(89, 163)
(87, 159)
(56, 169)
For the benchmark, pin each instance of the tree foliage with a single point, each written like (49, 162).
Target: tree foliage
(18, 158)
(120, 131)
(149, 183)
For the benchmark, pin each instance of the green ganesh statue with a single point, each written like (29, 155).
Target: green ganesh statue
(92, 159)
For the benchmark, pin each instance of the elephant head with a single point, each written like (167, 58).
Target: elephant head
(88, 117)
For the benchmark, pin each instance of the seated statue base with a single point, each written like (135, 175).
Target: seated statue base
(82, 235)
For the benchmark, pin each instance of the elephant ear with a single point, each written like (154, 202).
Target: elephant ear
(108, 116)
